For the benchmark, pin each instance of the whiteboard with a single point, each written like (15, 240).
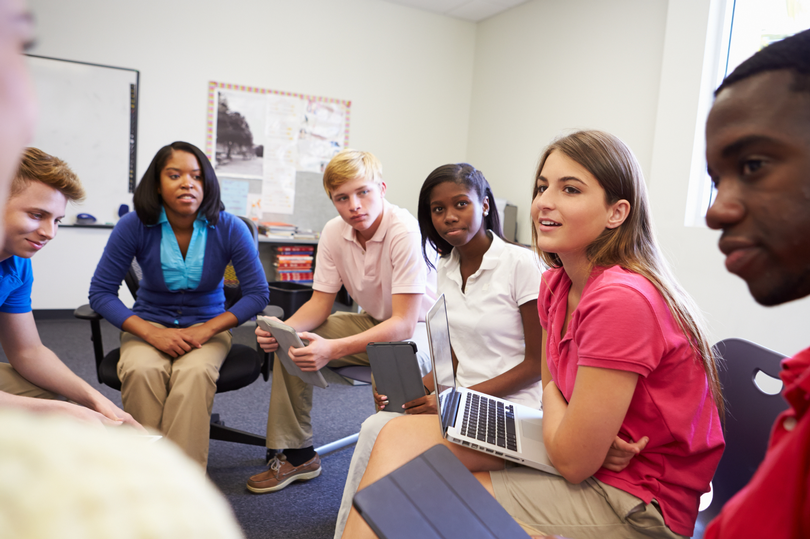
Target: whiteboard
(88, 118)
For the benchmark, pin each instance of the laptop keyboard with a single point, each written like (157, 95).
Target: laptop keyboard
(489, 421)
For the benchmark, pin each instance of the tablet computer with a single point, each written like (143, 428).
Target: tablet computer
(396, 372)
(288, 338)
(434, 497)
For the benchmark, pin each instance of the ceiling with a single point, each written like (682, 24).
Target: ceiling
(468, 10)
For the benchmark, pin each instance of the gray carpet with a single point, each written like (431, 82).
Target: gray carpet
(305, 510)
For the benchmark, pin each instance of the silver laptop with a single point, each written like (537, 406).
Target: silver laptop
(476, 420)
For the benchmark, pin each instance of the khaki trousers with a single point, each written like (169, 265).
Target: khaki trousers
(13, 383)
(288, 422)
(171, 395)
(589, 510)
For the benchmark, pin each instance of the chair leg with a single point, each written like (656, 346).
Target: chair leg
(337, 444)
(228, 434)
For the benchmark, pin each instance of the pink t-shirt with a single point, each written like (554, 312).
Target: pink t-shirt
(391, 263)
(623, 323)
(776, 502)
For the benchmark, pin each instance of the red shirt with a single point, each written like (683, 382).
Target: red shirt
(776, 502)
(623, 323)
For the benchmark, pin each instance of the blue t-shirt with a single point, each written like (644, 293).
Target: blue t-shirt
(16, 279)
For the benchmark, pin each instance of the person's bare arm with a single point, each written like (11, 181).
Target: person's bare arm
(579, 434)
(40, 366)
(309, 316)
(529, 371)
(400, 327)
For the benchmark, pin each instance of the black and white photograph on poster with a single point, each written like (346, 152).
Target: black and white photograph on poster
(240, 127)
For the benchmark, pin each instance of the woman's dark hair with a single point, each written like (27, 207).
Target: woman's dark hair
(147, 200)
(462, 174)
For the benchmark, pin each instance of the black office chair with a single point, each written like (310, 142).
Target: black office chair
(242, 365)
(750, 414)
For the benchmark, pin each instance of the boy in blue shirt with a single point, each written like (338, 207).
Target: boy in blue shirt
(34, 375)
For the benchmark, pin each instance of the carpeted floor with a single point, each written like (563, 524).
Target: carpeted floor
(305, 510)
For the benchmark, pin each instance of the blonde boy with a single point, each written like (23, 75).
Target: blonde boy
(373, 249)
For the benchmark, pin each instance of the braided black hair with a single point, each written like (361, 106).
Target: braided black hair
(791, 53)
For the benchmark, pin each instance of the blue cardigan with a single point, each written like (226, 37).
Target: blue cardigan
(228, 240)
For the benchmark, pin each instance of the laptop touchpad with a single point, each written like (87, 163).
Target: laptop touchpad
(532, 428)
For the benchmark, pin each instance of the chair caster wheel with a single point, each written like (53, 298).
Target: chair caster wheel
(215, 420)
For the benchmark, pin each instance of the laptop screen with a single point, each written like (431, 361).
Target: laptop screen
(442, 357)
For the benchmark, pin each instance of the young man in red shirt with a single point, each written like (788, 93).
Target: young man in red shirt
(758, 153)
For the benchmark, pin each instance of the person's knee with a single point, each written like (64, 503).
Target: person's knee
(198, 371)
(377, 421)
(149, 373)
(401, 430)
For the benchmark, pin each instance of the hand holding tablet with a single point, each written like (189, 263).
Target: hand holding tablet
(288, 338)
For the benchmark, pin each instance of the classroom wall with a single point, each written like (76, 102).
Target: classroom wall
(634, 68)
(428, 90)
(551, 66)
(407, 72)
(693, 251)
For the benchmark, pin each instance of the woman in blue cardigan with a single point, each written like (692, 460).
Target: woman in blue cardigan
(175, 337)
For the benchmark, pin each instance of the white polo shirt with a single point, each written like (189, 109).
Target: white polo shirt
(486, 329)
(391, 263)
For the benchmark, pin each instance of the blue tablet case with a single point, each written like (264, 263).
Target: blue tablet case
(434, 497)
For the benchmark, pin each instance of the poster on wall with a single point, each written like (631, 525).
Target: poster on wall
(268, 135)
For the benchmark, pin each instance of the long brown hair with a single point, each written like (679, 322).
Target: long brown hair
(632, 245)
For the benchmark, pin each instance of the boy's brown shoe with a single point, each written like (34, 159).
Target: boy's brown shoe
(281, 473)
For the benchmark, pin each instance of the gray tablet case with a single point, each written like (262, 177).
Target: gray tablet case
(287, 337)
(434, 497)
(396, 372)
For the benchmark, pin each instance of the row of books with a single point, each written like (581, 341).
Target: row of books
(286, 230)
(293, 263)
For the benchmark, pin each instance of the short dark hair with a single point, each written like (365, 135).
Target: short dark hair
(791, 53)
(462, 174)
(147, 200)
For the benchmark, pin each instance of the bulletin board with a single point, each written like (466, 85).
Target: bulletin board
(88, 117)
(269, 149)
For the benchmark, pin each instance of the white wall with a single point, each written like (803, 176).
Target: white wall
(429, 90)
(550, 66)
(62, 270)
(634, 68)
(408, 74)
(693, 250)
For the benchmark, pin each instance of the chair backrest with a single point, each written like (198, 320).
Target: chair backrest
(750, 414)
(233, 291)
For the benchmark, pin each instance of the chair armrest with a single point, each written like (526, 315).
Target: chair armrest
(85, 312)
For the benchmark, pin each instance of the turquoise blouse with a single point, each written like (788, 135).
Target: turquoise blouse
(180, 273)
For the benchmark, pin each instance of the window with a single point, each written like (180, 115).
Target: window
(744, 27)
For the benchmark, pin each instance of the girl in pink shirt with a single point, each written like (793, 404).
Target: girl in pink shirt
(631, 395)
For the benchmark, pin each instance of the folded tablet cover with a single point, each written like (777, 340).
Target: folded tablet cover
(287, 337)
(434, 496)
(396, 372)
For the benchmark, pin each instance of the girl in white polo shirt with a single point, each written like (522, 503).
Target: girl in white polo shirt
(491, 288)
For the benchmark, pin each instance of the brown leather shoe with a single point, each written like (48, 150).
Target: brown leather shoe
(281, 473)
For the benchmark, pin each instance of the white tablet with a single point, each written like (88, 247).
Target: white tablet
(287, 337)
